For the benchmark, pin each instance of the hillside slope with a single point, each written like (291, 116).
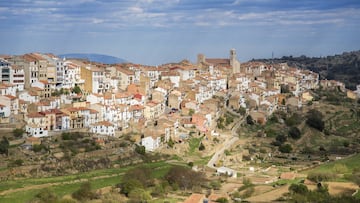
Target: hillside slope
(344, 67)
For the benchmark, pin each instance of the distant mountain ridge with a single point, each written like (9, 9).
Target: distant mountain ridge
(100, 58)
(343, 67)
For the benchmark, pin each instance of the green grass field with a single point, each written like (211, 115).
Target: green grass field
(194, 144)
(350, 163)
(69, 183)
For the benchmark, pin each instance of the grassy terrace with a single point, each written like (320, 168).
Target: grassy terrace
(63, 185)
(350, 163)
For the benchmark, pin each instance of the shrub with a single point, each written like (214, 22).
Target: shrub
(171, 143)
(249, 120)
(340, 168)
(140, 149)
(139, 195)
(84, 193)
(184, 177)
(294, 133)
(17, 162)
(222, 200)
(45, 196)
(215, 184)
(4, 146)
(298, 188)
(281, 138)
(293, 120)
(38, 148)
(320, 176)
(201, 147)
(18, 132)
(285, 148)
(314, 120)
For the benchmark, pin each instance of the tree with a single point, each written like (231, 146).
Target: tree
(191, 112)
(294, 133)
(140, 149)
(141, 174)
(314, 119)
(18, 132)
(4, 146)
(184, 177)
(298, 188)
(201, 147)
(242, 111)
(129, 185)
(171, 143)
(249, 120)
(284, 88)
(76, 90)
(281, 138)
(84, 193)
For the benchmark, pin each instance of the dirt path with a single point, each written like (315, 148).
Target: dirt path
(45, 185)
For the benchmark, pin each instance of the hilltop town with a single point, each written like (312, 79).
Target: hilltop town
(120, 111)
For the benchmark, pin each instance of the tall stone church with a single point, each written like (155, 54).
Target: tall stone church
(232, 61)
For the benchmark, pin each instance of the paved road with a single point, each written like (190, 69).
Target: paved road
(229, 141)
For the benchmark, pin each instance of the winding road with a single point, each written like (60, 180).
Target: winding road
(229, 141)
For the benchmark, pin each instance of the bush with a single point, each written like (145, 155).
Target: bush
(45, 196)
(4, 146)
(84, 193)
(18, 132)
(171, 143)
(215, 184)
(294, 119)
(249, 120)
(298, 188)
(38, 148)
(17, 162)
(285, 148)
(314, 120)
(140, 149)
(184, 177)
(222, 200)
(139, 195)
(320, 176)
(294, 133)
(201, 147)
(281, 138)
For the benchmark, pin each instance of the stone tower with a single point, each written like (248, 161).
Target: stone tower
(234, 62)
(200, 59)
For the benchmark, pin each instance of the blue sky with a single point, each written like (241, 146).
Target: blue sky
(159, 31)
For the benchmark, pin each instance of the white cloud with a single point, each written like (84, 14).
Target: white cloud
(97, 21)
(135, 9)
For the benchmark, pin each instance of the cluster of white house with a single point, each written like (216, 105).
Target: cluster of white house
(38, 88)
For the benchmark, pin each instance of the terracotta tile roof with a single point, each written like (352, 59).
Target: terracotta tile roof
(11, 97)
(92, 111)
(35, 115)
(125, 71)
(122, 95)
(136, 107)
